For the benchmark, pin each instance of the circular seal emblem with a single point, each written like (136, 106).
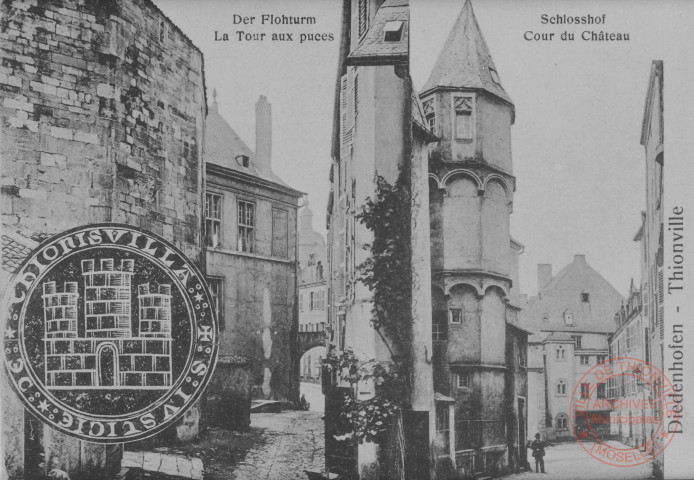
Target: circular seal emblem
(110, 333)
(623, 397)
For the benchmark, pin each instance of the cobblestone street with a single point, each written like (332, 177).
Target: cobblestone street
(292, 443)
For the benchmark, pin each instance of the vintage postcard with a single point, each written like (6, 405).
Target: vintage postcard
(346, 239)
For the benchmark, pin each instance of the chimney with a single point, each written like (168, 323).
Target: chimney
(544, 275)
(263, 135)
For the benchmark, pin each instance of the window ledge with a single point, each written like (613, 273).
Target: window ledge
(248, 255)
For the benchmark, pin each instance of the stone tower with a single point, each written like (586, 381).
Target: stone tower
(473, 258)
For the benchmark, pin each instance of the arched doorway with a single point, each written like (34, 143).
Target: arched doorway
(310, 386)
(107, 365)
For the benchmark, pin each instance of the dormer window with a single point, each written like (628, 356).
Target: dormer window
(463, 107)
(495, 76)
(393, 31)
(568, 318)
(243, 160)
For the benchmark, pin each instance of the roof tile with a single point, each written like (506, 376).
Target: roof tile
(465, 61)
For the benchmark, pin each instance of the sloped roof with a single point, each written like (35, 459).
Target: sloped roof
(223, 145)
(16, 247)
(563, 294)
(440, 397)
(373, 48)
(558, 337)
(465, 61)
(656, 73)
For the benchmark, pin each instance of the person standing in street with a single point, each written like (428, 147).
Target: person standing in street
(538, 449)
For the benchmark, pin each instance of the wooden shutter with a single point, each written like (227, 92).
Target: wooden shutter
(346, 111)
(280, 233)
(661, 302)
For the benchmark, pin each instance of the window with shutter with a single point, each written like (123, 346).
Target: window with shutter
(346, 110)
(356, 95)
(280, 233)
(661, 307)
(363, 16)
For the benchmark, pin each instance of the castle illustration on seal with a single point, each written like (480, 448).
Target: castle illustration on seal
(102, 350)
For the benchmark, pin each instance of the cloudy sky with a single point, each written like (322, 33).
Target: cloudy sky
(579, 105)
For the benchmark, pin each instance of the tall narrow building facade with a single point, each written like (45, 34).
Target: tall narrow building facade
(464, 405)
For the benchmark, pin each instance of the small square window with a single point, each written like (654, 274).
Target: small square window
(463, 379)
(601, 390)
(569, 318)
(585, 390)
(585, 297)
(456, 315)
(243, 160)
(438, 329)
(585, 359)
(393, 31)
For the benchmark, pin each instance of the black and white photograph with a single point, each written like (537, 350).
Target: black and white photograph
(346, 239)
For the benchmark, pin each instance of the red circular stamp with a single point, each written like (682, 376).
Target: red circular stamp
(621, 399)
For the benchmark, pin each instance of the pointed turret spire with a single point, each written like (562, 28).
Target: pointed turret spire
(465, 61)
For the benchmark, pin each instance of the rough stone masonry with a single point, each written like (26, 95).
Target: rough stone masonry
(102, 113)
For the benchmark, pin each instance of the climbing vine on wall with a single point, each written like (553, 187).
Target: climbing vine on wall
(387, 274)
(387, 271)
(368, 420)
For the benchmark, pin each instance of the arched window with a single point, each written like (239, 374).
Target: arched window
(561, 387)
(561, 353)
(562, 421)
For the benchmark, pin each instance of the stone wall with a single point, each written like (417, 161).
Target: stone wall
(229, 394)
(102, 116)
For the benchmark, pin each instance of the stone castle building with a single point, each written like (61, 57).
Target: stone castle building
(468, 405)
(571, 318)
(102, 347)
(103, 110)
(251, 247)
